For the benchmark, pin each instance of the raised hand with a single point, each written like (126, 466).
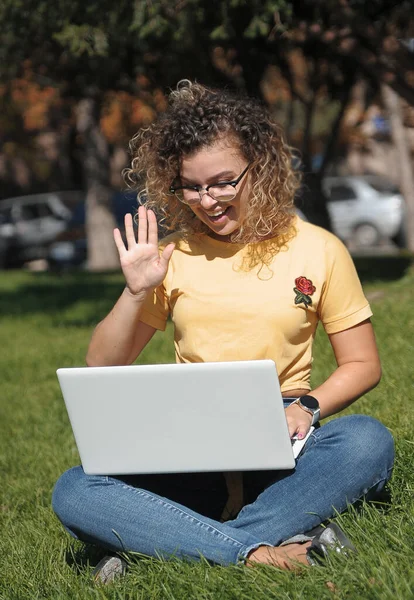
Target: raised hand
(141, 263)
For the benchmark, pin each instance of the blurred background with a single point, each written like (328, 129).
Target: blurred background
(79, 79)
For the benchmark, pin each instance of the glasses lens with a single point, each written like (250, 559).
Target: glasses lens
(222, 193)
(187, 196)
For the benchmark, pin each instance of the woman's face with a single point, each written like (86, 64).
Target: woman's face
(218, 163)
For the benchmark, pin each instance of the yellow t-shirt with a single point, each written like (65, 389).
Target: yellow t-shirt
(222, 312)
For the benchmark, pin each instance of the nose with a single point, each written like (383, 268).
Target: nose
(206, 201)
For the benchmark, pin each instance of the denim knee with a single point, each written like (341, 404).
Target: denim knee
(370, 436)
(66, 493)
(368, 441)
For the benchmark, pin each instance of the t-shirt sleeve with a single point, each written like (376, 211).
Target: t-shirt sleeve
(343, 303)
(156, 310)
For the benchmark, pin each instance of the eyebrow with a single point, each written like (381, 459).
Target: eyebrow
(222, 176)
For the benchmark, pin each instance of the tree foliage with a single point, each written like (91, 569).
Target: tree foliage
(106, 45)
(88, 48)
(319, 47)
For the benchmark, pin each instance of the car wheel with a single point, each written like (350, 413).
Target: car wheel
(400, 239)
(366, 235)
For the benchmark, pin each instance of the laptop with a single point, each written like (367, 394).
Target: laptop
(193, 417)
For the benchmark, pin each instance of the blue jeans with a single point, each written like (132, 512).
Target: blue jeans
(346, 459)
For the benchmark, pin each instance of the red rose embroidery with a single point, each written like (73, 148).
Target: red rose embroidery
(305, 286)
(303, 289)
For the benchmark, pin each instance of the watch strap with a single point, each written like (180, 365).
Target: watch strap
(314, 412)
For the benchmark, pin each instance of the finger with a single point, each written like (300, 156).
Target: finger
(166, 254)
(302, 430)
(292, 428)
(129, 230)
(152, 228)
(142, 225)
(119, 242)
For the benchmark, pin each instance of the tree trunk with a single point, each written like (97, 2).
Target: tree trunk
(399, 137)
(312, 195)
(307, 134)
(329, 152)
(100, 221)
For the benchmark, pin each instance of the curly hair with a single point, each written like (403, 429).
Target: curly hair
(197, 117)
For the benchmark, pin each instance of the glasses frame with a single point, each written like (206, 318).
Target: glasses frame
(199, 189)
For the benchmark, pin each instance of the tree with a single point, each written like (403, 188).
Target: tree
(84, 49)
(320, 48)
(405, 162)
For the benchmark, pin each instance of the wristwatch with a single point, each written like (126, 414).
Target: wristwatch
(310, 405)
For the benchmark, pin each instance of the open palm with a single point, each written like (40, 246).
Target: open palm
(142, 265)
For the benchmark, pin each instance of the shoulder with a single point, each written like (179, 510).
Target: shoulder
(306, 230)
(193, 243)
(186, 247)
(314, 237)
(321, 252)
(176, 238)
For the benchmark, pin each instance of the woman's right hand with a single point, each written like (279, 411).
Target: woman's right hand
(141, 263)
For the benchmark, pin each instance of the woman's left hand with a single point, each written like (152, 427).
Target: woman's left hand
(299, 421)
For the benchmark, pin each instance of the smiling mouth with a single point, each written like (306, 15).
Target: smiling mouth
(218, 214)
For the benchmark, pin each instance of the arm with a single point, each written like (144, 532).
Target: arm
(358, 371)
(121, 336)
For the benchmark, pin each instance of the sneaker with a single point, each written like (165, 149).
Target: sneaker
(328, 539)
(108, 569)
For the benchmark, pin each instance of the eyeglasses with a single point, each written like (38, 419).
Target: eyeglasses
(223, 191)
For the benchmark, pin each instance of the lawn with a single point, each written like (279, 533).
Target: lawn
(46, 322)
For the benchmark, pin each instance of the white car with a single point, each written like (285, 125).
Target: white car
(28, 224)
(364, 210)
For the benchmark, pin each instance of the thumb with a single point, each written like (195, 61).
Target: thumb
(167, 253)
(301, 432)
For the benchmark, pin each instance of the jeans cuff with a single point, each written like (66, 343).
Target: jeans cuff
(243, 554)
(297, 539)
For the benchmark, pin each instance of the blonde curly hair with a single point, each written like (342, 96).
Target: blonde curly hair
(197, 117)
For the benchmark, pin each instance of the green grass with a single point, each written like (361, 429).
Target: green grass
(46, 322)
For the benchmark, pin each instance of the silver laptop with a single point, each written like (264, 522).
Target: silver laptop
(223, 416)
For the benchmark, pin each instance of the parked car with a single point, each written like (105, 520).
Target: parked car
(28, 225)
(365, 210)
(70, 247)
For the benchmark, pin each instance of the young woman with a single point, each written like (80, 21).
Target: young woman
(242, 278)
